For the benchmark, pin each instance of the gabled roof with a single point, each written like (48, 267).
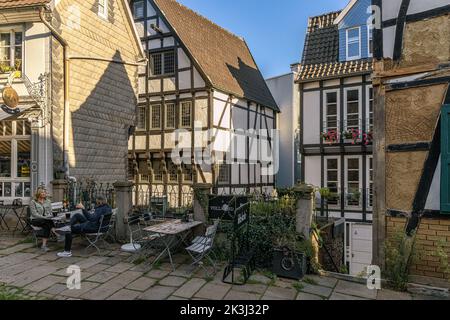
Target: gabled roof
(334, 69)
(322, 40)
(4, 4)
(345, 11)
(223, 58)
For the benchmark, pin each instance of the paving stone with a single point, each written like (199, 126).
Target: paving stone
(213, 291)
(241, 296)
(277, 293)
(355, 289)
(32, 275)
(176, 298)
(112, 286)
(427, 297)
(49, 256)
(113, 260)
(142, 268)
(56, 289)
(307, 297)
(157, 274)
(340, 296)
(168, 266)
(190, 288)
(157, 293)
(102, 277)
(90, 262)
(185, 271)
(260, 279)
(386, 294)
(85, 287)
(120, 267)
(172, 281)
(251, 288)
(141, 284)
(125, 294)
(44, 283)
(284, 283)
(321, 281)
(98, 268)
(11, 273)
(317, 290)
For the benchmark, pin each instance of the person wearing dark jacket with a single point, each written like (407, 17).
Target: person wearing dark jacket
(85, 222)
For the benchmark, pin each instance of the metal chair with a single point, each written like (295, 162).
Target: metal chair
(105, 225)
(201, 247)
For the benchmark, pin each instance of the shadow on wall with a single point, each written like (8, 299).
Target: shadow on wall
(100, 125)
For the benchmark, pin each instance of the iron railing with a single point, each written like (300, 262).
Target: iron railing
(86, 193)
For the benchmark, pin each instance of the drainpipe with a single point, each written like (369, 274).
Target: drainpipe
(66, 70)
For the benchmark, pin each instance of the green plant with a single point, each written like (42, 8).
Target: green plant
(343, 269)
(298, 286)
(399, 251)
(325, 193)
(310, 281)
(442, 254)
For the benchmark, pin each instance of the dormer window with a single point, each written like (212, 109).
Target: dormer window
(353, 43)
(103, 8)
(370, 41)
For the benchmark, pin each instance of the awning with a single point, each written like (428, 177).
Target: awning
(20, 112)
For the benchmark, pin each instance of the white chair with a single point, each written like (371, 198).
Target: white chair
(201, 247)
(105, 227)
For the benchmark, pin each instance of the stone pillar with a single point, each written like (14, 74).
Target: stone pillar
(124, 203)
(201, 192)
(59, 190)
(305, 208)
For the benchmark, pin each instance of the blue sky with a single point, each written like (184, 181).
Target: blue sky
(274, 29)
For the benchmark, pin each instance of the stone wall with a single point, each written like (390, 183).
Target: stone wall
(102, 94)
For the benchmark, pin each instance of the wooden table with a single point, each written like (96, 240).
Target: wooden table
(171, 234)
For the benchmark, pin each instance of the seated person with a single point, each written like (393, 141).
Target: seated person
(41, 214)
(82, 223)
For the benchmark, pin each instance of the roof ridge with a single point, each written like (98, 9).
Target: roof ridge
(208, 20)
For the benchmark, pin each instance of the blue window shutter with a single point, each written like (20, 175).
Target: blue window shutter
(445, 159)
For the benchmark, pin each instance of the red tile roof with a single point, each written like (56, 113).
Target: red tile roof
(223, 57)
(21, 3)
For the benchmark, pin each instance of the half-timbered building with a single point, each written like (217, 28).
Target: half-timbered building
(336, 115)
(202, 80)
(412, 112)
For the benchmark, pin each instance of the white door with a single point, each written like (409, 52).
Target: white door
(359, 248)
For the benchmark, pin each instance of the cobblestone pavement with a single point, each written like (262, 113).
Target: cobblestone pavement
(29, 272)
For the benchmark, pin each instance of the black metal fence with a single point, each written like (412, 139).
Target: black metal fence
(161, 199)
(86, 193)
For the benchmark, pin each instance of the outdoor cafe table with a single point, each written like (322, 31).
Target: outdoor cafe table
(171, 234)
(17, 211)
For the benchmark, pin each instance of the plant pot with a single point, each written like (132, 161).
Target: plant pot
(289, 264)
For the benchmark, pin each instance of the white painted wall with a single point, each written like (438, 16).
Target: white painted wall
(311, 117)
(286, 94)
(313, 170)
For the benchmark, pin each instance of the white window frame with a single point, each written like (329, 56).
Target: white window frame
(338, 108)
(12, 30)
(346, 158)
(347, 43)
(103, 13)
(338, 177)
(369, 37)
(367, 107)
(152, 128)
(14, 179)
(346, 90)
(368, 181)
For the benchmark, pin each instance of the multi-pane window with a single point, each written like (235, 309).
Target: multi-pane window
(172, 171)
(155, 116)
(332, 180)
(370, 182)
(162, 63)
(224, 174)
(353, 43)
(15, 159)
(331, 112)
(370, 120)
(103, 8)
(141, 119)
(11, 43)
(186, 114)
(170, 116)
(187, 172)
(157, 171)
(138, 9)
(353, 182)
(352, 110)
(370, 41)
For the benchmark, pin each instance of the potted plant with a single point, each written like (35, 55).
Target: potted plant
(353, 197)
(352, 136)
(330, 136)
(368, 138)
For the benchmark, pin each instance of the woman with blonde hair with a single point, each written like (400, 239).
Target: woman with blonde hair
(41, 214)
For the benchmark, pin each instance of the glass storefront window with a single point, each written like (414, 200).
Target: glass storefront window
(23, 158)
(5, 159)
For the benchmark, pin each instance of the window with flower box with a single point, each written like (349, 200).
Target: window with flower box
(11, 50)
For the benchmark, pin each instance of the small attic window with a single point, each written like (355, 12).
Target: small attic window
(353, 43)
(103, 8)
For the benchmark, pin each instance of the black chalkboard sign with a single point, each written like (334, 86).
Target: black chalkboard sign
(224, 208)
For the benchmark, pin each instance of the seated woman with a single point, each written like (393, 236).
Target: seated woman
(41, 214)
(83, 223)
